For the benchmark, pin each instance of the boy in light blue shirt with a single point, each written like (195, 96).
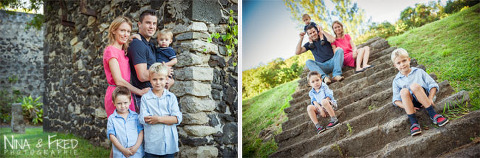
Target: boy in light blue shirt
(160, 115)
(123, 128)
(413, 89)
(322, 101)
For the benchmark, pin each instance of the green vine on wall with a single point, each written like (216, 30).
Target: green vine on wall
(230, 38)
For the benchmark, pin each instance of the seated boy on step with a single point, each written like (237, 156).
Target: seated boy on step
(413, 89)
(321, 101)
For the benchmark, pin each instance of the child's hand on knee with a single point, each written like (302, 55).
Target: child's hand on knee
(322, 113)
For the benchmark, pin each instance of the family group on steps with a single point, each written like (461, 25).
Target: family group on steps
(412, 87)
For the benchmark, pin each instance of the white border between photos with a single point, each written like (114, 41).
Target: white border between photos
(239, 80)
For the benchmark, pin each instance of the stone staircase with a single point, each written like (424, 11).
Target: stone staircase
(369, 124)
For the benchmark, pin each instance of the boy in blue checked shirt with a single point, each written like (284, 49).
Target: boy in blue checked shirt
(413, 89)
(322, 100)
(160, 115)
(123, 128)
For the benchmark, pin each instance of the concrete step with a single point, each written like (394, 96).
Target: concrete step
(356, 96)
(434, 142)
(359, 121)
(469, 150)
(384, 135)
(371, 76)
(297, 106)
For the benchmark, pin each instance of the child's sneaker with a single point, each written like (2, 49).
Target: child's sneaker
(415, 129)
(327, 80)
(332, 124)
(320, 129)
(439, 120)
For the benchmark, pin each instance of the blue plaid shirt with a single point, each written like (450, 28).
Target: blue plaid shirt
(126, 132)
(323, 93)
(418, 76)
(160, 139)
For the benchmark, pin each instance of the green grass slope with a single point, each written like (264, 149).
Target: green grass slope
(450, 48)
(265, 112)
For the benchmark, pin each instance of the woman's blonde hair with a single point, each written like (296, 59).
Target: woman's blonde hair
(114, 26)
(339, 23)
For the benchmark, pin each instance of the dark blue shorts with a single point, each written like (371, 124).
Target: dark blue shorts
(148, 155)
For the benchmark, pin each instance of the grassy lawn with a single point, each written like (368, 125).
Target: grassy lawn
(450, 49)
(265, 112)
(61, 145)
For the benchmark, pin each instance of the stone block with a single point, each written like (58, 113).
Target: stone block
(77, 47)
(195, 73)
(216, 60)
(74, 41)
(206, 11)
(200, 46)
(195, 88)
(100, 113)
(193, 104)
(198, 26)
(17, 124)
(91, 20)
(229, 134)
(191, 36)
(191, 59)
(199, 131)
(201, 151)
(195, 118)
(207, 151)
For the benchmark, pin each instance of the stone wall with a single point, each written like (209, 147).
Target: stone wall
(206, 80)
(21, 54)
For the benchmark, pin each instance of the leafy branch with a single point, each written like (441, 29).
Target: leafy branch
(231, 37)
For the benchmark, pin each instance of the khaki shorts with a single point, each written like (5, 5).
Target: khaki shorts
(334, 106)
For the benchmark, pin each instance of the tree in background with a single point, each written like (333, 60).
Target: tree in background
(345, 11)
(455, 6)
(11, 6)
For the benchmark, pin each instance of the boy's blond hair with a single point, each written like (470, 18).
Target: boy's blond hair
(120, 90)
(165, 32)
(313, 73)
(158, 68)
(399, 52)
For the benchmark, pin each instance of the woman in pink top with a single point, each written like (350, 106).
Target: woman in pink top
(351, 53)
(115, 62)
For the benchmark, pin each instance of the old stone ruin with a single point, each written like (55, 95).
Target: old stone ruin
(206, 76)
(370, 126)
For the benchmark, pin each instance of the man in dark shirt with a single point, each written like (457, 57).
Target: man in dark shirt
(326, 60)
(141, 53)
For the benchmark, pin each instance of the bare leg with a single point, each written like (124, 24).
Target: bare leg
(359, 59)
(312, 114)
(420, 95)
(328, 107)
(407, 103)
(366, 55)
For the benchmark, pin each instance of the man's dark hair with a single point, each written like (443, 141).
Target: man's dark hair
(147, 12)
(310, 26)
